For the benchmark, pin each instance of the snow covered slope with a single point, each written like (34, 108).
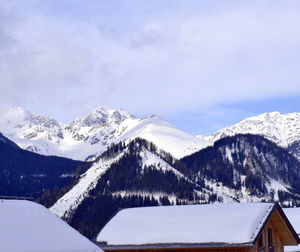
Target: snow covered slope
(165, 136)
(87, 137)
(135, 159)
(283, 129)
(68, 203)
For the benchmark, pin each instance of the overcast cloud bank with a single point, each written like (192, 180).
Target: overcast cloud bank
(66, 57)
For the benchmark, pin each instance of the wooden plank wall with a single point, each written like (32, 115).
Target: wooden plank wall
(278, 231)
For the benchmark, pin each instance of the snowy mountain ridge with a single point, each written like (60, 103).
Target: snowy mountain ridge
(69, 202)
(87, 137)
(282, 129)
(242, 168)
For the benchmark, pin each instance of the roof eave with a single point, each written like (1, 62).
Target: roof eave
(174, 246)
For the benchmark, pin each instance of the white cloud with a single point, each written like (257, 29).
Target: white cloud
(147, 57)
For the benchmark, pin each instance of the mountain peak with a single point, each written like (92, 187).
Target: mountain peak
(119, 114)
(273, 115)
(101, 116)
(19, 115)
(283, 129)
(266, 116)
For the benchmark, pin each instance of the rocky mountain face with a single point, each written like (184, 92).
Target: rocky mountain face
(86, 138)
(294, 148)
(24, 173)
(242, 168)
(282, 129)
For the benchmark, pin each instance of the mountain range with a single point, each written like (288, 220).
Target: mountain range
(87, 137)
(242, 168)
(127, 162)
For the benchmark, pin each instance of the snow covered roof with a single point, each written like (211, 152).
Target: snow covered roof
(236, 223)
(27, 226)
(293, 215)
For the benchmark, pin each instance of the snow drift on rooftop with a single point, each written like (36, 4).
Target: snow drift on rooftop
(234, 223)
(30, 227)
(293, 214)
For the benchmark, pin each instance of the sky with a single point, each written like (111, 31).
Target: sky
(201, 65)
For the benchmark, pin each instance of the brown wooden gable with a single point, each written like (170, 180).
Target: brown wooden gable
(281, 225)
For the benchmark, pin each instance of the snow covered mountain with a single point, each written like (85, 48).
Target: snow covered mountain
(246, 168)
(126, 175)
(86, 138)
(121, 171)
(147, 161)
(282, 129)
(24, 173)
(242, 168)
